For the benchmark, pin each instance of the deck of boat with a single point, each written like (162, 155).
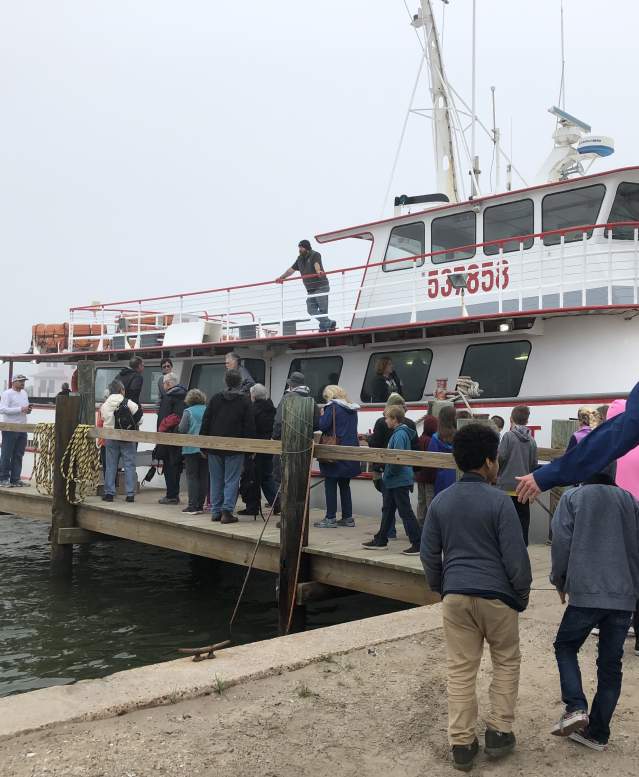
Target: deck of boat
(336, 556)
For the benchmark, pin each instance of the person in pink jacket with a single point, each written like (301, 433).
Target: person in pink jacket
(627, 477)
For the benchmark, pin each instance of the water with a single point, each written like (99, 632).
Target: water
(127, 605)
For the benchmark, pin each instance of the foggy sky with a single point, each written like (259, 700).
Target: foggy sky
(151, 147)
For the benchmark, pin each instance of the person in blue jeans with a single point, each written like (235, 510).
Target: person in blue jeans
(14, 409)
(228, 414)
(339, 418)
(119, 448)
(397, 485)
(595, 560)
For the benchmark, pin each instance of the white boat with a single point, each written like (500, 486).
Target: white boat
(545, 312)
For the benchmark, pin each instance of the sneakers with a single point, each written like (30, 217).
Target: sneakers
(228, 517)
(412, 551)
(130, 499)
(594, 632)
(107, 498)
(348, 522)
(585, 738)
(166, 501)
(192, 511)
(374, 545)
(215, 518)
(499, 743)
(21, 484)
(326, 523)
(5, 484)
(464, 755)
(570, 722)
(631, 633)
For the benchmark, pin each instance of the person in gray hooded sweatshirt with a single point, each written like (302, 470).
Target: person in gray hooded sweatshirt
(517, 456)
(595, 560)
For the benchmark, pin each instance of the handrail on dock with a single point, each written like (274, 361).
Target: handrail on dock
(250, 445)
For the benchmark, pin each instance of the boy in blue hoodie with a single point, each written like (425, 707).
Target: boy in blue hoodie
(397, 484)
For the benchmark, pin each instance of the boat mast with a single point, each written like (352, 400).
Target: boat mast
(445, 162)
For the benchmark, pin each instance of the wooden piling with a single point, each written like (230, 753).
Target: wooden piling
(67, 413)
(86, 389)
(297, 444)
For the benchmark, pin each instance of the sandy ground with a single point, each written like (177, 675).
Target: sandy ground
(378, 711)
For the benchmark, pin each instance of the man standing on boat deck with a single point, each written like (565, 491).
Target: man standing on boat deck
(14, 409)
(309, 266)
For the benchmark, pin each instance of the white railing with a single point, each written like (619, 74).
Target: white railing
(587, 272)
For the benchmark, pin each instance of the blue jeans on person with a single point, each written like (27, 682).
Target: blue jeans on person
(398, 499)
(330, 490)
(574, 629)
(115, 449)
(13, 447)
(225, 471)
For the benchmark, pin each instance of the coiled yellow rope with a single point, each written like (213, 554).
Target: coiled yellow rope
(43, 457)
(80, 465)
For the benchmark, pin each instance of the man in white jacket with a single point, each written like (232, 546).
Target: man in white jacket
(14, 409)
(117, 448)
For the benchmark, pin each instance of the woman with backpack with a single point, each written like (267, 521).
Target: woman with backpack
(119, 413)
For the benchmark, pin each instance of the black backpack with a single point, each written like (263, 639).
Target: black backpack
(124, 417)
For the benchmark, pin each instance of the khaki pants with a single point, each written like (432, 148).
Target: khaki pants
(468, 620)
(425, 494)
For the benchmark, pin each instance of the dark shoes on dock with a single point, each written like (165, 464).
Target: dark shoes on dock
(109, 498)
(464, 756)
(228, 517)
(166, 501)
(497, 745)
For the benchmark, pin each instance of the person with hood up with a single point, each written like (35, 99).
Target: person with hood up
(232, 361)
(116, 448)
(517, 456)
(442, 442)
(169, 416)
(338, 419)
(229, 414)
(398, 483)
(132, 379)
(295, 384)
(260, 465)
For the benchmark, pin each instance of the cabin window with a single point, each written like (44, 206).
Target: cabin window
(410, 367)
(318, 373)
(405, 241)
(577, 207)
(498, 367)
(149, 394)
(209, 378)
(624, 208)
(455, 231)
(513, 219)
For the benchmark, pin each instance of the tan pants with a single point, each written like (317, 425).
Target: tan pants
(468, 620)
(425, 493)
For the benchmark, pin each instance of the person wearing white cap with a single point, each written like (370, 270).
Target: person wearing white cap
(14, 409)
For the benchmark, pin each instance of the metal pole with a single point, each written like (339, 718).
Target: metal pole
(474, 86)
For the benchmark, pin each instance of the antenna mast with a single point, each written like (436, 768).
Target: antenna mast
(445, 162)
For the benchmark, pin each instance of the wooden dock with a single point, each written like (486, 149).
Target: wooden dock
(335, 555)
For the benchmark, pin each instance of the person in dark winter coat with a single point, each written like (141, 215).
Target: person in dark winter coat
(425, 476)
(229, 414)
(339, 418)
(132, 379)
(386, 380)
(517, 456)
(258, 467)
(169, 416)
(398, 483)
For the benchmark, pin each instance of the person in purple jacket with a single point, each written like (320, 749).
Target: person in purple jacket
(605, 444)
(584, 416)
(339, 417)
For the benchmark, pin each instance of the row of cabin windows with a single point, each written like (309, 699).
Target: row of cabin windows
(498, 367)
(574, 208)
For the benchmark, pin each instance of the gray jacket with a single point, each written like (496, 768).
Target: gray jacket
(517, 456)
(473, 544)
(595, 547)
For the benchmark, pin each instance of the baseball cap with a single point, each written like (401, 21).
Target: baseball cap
(295, 379)
(19, 377)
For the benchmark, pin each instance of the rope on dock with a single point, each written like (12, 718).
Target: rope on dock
(80, 465)
(43, 457)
